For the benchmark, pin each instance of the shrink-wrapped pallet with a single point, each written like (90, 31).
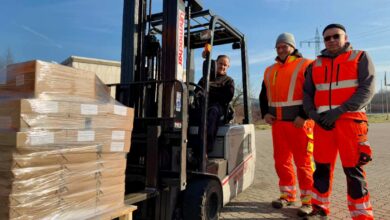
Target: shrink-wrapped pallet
(63, 143)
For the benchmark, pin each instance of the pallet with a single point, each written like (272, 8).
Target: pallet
(123, 213)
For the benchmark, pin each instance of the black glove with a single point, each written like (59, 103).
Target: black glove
(330, 117)
(318, 119)
(364, 159)
(313, 115)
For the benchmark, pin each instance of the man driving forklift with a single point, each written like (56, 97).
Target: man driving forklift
(221, 91)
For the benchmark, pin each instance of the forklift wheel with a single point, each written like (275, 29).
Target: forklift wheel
(202, 200)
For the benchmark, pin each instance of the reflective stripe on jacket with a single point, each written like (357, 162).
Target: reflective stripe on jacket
(336, 80)
(284, 85)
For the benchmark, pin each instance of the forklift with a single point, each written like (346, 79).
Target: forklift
(165, 178)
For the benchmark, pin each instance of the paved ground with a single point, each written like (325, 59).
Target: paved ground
(255, 202)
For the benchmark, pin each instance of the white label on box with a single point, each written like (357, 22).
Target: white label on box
(19, 80)
(46, 107)
(120, 110)
(40, 138)
(5, 122)
(117, 146)
(118, 135)
(85, 136)
(89, 109)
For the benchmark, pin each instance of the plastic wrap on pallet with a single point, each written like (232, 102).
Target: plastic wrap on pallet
(63, 108)
(52, 184)
(48, 81)
(97, 140)
(27, 114)
(63, 143)
(76, 206)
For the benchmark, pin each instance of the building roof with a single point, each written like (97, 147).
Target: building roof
(91, 61)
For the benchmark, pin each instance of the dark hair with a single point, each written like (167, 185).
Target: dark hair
(339, 26)
(223, 56)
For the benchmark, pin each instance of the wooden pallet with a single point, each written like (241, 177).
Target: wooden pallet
(124, 213)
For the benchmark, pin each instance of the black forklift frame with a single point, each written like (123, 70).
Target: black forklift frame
(135, 19)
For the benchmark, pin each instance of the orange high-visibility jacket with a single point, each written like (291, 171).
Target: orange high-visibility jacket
(336, 80)
(284, 84)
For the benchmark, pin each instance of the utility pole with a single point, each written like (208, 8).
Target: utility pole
(383, 106)
(369, 108)
(317, 41)
(387, 99)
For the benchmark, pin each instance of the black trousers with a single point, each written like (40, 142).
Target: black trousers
(214, 114)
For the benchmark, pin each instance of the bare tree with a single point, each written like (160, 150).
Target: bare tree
(239, 93)
(237, 103)
(237, 98)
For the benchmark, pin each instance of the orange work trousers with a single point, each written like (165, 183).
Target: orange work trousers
(291, 146)
(346, 138)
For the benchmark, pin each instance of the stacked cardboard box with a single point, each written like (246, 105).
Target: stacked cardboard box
(63, 143)
(51, 82)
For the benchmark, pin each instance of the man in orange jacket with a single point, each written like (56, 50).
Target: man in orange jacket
(281, 106)
(339, 85)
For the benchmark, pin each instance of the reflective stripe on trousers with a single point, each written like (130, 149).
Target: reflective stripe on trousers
(286, 152)
(344, 139)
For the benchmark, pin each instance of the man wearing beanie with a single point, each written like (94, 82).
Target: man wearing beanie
(339, 85)
(281, 107)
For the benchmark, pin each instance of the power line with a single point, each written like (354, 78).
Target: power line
(372, 33)
(317, 41)
(373, 30)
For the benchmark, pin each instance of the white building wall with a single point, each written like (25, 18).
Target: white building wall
(107, 70)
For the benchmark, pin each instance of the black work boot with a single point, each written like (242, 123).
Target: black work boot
(281, 203)
(316, 214)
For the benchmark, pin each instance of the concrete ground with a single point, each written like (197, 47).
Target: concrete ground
(254, 203)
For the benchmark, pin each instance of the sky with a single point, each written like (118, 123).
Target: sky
(53, 30)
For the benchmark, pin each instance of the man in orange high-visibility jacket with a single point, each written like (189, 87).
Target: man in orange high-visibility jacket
(281, 106)
(339, 85)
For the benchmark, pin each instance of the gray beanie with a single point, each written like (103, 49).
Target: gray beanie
(287, 38)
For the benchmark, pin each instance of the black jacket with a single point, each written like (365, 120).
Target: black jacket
(221, 90)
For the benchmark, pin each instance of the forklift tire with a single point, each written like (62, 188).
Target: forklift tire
(202, 200)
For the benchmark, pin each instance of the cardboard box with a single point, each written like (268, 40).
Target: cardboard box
(63, 171)
(49, 81)
(80, 204)
(102, 109)
(104, 140)
(110, 140)
(15, 159)
(54, 123)
(63, 108)
(36, 106)
(26, 122)
(36, 121)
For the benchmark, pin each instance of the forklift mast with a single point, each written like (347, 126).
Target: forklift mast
(155, 83)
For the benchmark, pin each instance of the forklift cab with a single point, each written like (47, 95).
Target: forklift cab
(163, 178)
(196, 99)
